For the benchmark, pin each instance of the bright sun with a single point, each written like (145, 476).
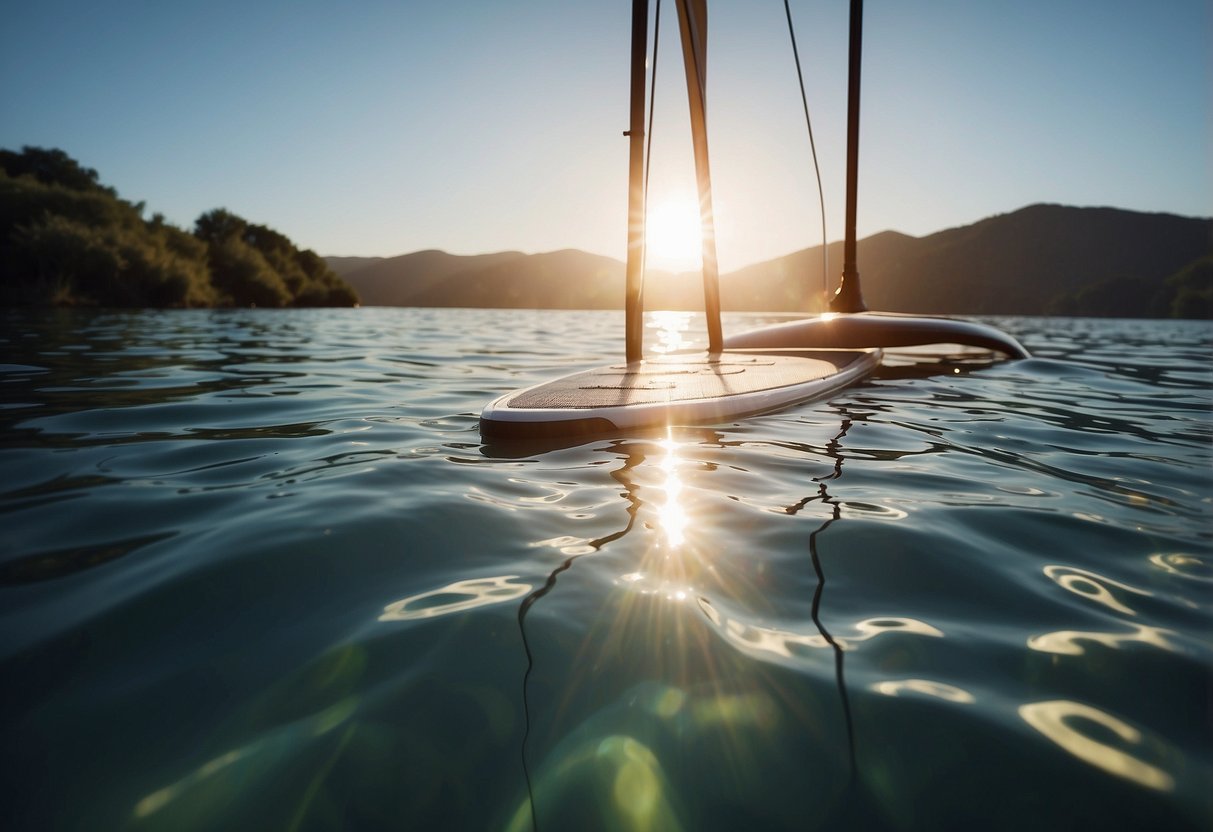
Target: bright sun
(673, 236)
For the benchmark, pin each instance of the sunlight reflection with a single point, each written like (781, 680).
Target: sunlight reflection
(872, 627)
(866, 511)
(670, 329)
(543, 496)
(670, 514)
(1066, 642)
(643, 584)
(567, 545)
(1050, 719)
(784, 643)
(457, 597)
(1092, 586)
(924, 687)
(1187, 566)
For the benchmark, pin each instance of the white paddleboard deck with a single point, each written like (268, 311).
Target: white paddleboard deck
(676, 389)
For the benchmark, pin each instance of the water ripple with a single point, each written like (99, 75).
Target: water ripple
(812, 619)
(1063, 722)
(1094, 587)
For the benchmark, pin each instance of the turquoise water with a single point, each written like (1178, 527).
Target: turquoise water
(258, 571)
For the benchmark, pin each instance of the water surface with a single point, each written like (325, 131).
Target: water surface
(258, 571)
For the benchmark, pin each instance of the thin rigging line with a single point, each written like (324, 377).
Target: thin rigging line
(825, 257)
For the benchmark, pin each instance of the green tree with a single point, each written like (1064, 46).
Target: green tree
(67, 239)
(276, 272)
(243, 277)
(52, 167)
(1193, 290)
(82, 246)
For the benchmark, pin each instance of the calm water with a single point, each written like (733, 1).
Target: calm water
(258, 571)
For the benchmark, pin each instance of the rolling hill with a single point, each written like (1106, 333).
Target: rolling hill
(1038, 260)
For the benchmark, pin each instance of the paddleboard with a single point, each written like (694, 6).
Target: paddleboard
(674, 389)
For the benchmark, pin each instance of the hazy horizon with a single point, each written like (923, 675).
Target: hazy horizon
(695, 271)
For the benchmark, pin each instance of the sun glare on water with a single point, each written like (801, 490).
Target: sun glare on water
(673, 235)
(672, 514)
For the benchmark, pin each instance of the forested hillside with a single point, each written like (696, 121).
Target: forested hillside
(68, 240)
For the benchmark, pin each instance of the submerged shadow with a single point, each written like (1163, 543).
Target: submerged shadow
(45, 566)
(634, 455)
(834, 451)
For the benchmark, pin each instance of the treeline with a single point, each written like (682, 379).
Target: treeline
(1186, 294)
(68, 240)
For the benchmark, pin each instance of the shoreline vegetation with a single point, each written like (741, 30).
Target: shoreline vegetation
(68, 240)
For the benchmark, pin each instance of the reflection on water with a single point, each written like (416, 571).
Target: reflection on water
(678, 565)
(670, 331)
(623, 775)
(148, 368)
(1069, 642)
(924, 687)
(1064, 722)
(643, 584)
(1093, 587)
(1187, 566)
(671, 515)
(46, 566)
(937, 597)
(460, 596)
(784, 643)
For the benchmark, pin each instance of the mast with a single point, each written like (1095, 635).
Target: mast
(634, 292)
(693, 24)
(849, 297)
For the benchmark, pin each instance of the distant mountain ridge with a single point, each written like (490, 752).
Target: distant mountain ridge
(1037, 260)
(398, 281)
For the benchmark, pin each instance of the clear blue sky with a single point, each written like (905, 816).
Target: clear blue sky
(383, 128)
